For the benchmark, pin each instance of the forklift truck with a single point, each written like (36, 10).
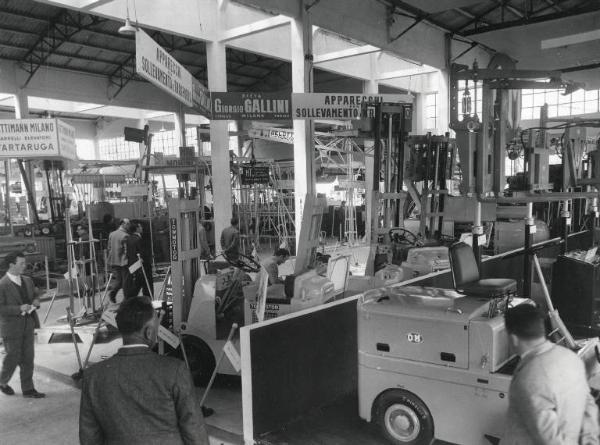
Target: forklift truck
(434, 363)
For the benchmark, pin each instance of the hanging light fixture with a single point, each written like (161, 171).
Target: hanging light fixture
(128, 29)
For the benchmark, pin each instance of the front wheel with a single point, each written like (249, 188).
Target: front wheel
(200, 357)
(403, 418)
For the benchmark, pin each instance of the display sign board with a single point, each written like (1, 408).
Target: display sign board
(200, 97)
(37, 138)
(255, 175)
(257, 106)
(285, 135)
(173, 239)
(134, 190)
(338, 105)
(155, 64)
(97, 180)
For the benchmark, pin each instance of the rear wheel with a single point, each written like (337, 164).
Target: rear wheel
(403, 418)
(200, 357)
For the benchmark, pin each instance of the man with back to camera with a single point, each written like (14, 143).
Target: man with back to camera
(230, 239)
(272, 264)
(117, 259)
(18, 320)
(137, 397)
(549, 401)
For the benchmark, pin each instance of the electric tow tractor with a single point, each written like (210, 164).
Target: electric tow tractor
(434, 363)
(230, 292)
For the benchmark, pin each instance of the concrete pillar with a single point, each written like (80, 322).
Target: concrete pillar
(304, 172)
(443, 100)
(370, 86)
(219, 135)
(179, 119)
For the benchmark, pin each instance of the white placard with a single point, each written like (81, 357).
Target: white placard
(233, 356)
(132, 190)
(110, 318)
(37, 138)
(168, 337)
(135, 266)
(155, 64)
(338, 105)
(284, 135)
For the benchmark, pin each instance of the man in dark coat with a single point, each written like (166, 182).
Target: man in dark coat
(138, 397)
(18, 319)
(230, 239)
(137, 246)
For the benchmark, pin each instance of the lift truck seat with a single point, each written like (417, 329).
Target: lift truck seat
(466, 277)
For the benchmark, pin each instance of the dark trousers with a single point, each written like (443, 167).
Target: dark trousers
(118, 281)
(136, 281)
(19, 352)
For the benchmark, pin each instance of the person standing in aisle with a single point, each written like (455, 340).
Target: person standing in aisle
(230, 239)
(117, 259)
(18, 320)
(271, 265)
(137, 397)
(549, 400)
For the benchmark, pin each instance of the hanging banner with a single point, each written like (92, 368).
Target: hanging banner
(37, 138)
(156, 65)
(255, 175)
(284, 135)
(200, 98)
(254, 106)
(337, 105)
(134, 190)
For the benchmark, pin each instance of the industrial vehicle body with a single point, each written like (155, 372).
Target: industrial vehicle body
(211, 316)
(434, 363)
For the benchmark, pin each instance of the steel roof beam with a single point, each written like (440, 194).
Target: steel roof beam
(533, 19)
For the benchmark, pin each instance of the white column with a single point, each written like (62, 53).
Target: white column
(443, 100)
(219, 135)
(304, 174)
(179, 119)
(370, 86)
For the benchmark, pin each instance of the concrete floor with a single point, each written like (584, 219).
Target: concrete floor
(54, 420)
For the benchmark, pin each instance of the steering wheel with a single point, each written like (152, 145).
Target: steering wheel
(243, 262)
(402, 236)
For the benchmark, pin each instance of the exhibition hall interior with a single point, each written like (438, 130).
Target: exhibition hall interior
(299, 222)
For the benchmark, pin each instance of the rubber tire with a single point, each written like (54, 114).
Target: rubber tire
(412, 403)
(200, 357)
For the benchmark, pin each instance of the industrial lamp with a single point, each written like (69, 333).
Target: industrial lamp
(128, 29)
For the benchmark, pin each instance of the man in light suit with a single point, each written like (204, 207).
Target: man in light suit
(549, 401)
(18, 319)
(137, 397)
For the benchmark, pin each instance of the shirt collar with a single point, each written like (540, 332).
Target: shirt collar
(14, 278)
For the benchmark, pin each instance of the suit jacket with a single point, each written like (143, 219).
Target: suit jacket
(547, 399)
(117, 247)
(134, 246)
(137, 397)
(12, 323)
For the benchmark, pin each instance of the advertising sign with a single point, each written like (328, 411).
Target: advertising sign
(37, 138)
(173, 239)
(257, 106)
(337, 105)
(133, 190)
(155, 64)
(200, 97)
(284, 135)
(255, 175)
